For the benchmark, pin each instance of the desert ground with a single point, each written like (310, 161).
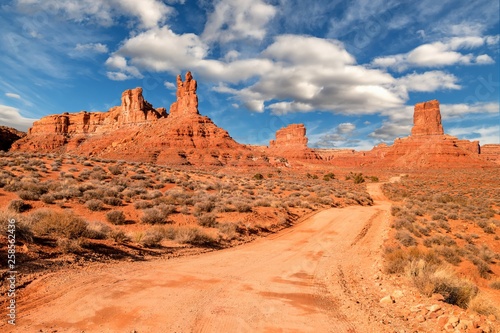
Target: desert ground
(334, 250)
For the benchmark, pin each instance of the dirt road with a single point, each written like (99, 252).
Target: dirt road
(318, 276)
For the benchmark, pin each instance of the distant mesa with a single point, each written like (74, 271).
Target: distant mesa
(137, 131)
(291, 143)
(8, 136)
(292, 136)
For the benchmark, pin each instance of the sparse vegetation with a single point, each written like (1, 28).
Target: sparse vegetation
(115, 217)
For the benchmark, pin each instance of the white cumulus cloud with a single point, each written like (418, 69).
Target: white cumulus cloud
(238, 19)
(450, 51)
(11, 117)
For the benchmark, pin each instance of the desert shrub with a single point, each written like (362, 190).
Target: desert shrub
(397, 260)
(329, 176)
(112, 201)
(439, 217)
(204, 207)
(439, 240)
(138, 177)
(357, 178)
(98, 175)
(15, 186)
(115, 170)
(94, 205)
(48, 198)
(495, 284)
(167, 209)
(395, 209)
(28, 195)
(18, 206)
(242, 206)
(405, 238)
(430, 279)
(484, 306)
(97, 230)
(482, 267)
(143, 204)
(153, 216)
(119, 236)
(258, 176)
(92, 194)
(228, 230)
(194, 236)
(152, 237)
(69, 245)
(450, 255)
(52, 223)
(263, 203)
(207, 220)
(115, 217)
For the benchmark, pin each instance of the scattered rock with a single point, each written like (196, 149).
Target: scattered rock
(387, 300)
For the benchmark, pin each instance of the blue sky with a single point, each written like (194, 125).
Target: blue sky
(350, 70)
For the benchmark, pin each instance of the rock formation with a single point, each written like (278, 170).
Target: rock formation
(291, 143)
(292, 136)
(8, 136)
(138, 132)
(187, 100)
(491, 152)
(428, 146)
(135, 109)
(427, 119)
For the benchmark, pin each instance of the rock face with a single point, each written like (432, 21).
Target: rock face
(135, 109)
(8, 136)
(187, 100)
(427, 119)
(291, 143)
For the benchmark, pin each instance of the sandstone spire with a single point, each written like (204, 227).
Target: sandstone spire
(427, 119)
(187, 100)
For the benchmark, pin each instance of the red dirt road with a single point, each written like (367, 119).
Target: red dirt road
(318, 276)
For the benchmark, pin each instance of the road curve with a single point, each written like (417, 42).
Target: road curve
(314, 277)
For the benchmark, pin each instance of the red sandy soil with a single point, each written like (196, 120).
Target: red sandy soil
(318, 276)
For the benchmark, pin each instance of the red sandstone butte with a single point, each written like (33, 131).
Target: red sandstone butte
(427, 119)
(428, 146)
(291, 143)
